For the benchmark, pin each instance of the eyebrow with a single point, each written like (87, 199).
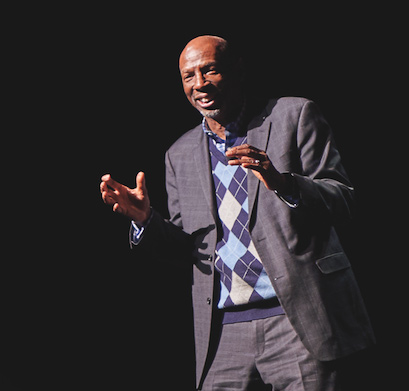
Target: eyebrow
(202, 66)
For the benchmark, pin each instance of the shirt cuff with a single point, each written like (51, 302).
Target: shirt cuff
(136, 231)
(293, 199)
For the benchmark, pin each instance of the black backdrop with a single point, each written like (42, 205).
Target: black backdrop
(97, 90)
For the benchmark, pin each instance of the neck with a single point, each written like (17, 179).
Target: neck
(217, 127)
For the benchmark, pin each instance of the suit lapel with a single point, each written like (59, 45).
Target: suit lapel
(257, 137)
(204, 172)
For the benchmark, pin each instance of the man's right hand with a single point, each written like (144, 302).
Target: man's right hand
(133, 203)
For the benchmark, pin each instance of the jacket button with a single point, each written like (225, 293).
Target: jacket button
(209, 300)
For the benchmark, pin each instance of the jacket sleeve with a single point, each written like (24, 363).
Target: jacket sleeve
(165, 239)
(323, 182)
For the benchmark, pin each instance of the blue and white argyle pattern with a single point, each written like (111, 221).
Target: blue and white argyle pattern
(243, 279)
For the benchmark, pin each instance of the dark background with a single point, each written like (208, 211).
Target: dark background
(95, 90)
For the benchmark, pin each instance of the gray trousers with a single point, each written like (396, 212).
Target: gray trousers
(266, 354)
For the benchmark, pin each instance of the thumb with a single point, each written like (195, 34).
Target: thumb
(140, 183)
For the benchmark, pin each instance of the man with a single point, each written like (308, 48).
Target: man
(254, 195)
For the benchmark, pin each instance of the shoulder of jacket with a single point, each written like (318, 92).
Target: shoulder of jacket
(291, 102)
(284, 108)
(187, 140)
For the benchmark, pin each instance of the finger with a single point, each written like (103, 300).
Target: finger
(140, 180)
(108, 199)
(141, 183)
(109, 195)
(110, 182)
(247, 151)
(107, 191)
(254, 165)
(114, 195)
(244, 147)
(246, 163)
(116, 208)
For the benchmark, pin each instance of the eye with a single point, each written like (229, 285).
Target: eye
(188, 76)
(212, 71)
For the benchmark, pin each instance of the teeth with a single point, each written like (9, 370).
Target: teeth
(205, 100)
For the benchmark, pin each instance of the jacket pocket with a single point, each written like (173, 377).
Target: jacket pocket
(333, 263)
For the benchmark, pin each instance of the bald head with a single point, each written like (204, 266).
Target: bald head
(207, 39)
(211, 78)
(209, 44)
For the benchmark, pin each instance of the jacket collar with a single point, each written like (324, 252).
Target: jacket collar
(258, 137)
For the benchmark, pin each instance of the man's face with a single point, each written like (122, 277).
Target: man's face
(207, 83)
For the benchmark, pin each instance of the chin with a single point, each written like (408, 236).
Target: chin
(213, 114)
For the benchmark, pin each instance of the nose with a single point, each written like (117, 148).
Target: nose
(200, 81)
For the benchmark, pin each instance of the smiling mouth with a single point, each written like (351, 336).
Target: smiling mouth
(205, 103)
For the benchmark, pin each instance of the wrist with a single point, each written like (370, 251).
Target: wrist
(290, 194)
(148, 216)
(284, 184)
(142, 218)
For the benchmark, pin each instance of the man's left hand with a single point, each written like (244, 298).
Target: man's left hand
(253, 158)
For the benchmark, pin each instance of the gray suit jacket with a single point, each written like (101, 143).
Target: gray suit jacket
(299, 247)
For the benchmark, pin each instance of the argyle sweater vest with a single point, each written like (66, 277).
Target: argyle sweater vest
(243, 279)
